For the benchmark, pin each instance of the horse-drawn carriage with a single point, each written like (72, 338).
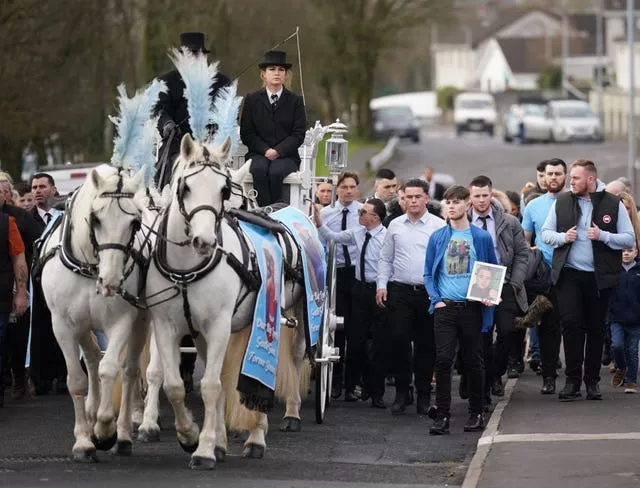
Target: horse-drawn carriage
(182, 262)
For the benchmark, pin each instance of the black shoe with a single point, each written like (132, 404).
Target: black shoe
(475, 423)
(570, 392)
(377, 402)
(520, 367)
(400, 402)
(548, 386)
(364, 396)
(536, 366)
(440, 426)
(422, 405)
(432, 412)
(350, 397)
(593, 391)
(496, 388)
(463, 390)
(513, 372)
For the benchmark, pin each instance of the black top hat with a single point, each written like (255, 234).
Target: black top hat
(193, 41)
(275, 58)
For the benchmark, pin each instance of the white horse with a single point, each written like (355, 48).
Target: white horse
(198, 240)
(88, 265)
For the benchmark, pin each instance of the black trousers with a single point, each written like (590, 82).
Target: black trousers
(47, 362)
(344, 302)
(15, 346)
(409, 320)
(550, 337)
(366, 341)
(459, 323)
(497, 356)
(268, 176)
(582, 313)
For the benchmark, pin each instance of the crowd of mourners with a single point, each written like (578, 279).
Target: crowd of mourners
(417, 307)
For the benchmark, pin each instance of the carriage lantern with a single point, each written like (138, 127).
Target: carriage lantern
(336, 148)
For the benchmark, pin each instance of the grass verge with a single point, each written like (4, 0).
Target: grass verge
(354, 145)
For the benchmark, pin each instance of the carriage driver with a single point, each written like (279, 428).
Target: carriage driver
(273, 126)
(172, 108)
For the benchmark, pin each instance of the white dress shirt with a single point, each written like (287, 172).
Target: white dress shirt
(43, 214)
(405, 249)
(491, 229)
(357, 235)
(269, 93)
(332, 218)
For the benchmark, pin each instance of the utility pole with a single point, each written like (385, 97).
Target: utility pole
(565, 47)
(599, 56)
(631, 38)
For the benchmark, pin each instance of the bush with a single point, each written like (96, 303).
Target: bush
(446, 95)
(550, 78)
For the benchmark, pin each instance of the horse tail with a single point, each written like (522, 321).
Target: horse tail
(305, 379)
(237, 417)
(287, 380)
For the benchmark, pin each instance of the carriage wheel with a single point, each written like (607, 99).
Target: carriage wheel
(324, 368)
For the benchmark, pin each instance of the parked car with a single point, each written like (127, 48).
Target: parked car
(474, 112)
(573, 120)
(396, 121)
(536, 120)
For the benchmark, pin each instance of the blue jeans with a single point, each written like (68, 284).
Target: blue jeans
(624, 343)
(534, 344)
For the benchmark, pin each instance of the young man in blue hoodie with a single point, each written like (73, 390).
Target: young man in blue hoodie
(451, 253)
(624, 317)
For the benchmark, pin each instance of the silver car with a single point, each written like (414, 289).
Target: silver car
(573, 120)
(535, 120)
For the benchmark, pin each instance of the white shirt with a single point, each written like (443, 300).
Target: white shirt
(52, 211)
(332, 218)
(405, 249)
(357, 236)
(491, 229)
(279, 93)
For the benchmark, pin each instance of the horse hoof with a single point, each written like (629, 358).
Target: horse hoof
(200, 463)
(290, 424)
(124, 448)
(85, 457)
(104, 444)
(190, 448)
(253, 451)
(148, 435)
(220, 454)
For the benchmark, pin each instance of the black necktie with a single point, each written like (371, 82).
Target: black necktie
(345, 249)
(47, 217)
(367, 238)
(274, 99)
(484, 222)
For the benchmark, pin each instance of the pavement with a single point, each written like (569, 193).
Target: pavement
(535, 440)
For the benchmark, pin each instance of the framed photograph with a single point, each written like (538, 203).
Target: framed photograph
(486, 282)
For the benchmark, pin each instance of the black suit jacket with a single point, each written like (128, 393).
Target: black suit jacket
(173, 105)
(39, 220)
(30, 229)
(263, 127)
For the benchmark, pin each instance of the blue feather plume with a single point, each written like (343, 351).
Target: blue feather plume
(225, 116)
(136, 133)
(197, 75)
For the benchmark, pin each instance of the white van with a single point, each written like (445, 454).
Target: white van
(474, 112)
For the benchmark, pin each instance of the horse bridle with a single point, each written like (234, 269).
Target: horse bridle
(118, 195)
(182, 189)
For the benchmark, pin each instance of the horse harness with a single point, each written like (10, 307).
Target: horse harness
(90, 270)
(247, 269)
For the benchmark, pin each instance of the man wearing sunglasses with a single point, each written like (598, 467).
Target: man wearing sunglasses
(367, 323)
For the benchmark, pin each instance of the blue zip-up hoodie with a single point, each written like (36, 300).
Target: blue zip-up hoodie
(625, 301)
(436, 250)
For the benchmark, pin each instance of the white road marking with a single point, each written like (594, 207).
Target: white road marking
(557, 437)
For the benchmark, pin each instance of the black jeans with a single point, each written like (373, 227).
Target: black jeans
(459, 323)
(504, 319)
(16, 342)
(268, 176)
(582, 312)
(409, 320)
(345, 277)
(550, 337)
(366, 340)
